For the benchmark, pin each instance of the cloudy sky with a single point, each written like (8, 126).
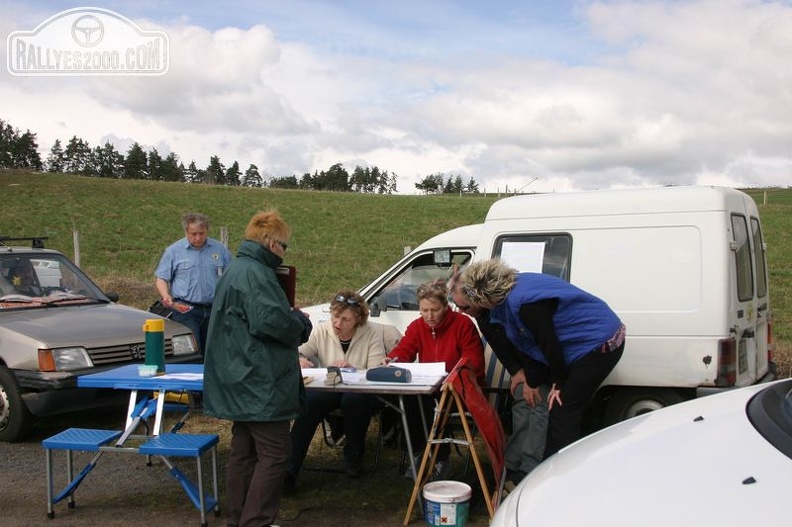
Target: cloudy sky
(542, 95)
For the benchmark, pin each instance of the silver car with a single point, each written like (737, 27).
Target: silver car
(55, 325)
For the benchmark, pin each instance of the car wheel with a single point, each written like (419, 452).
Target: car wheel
(630, 402)
(16, 421)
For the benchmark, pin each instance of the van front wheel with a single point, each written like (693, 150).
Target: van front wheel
(632, 401)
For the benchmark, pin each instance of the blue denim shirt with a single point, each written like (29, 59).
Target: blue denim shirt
(193, 273)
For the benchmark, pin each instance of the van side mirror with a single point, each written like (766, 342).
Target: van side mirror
(377, 306)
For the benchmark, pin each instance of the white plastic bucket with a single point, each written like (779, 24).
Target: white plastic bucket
(446, 503)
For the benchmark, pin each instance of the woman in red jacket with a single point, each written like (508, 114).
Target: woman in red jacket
(439, 335)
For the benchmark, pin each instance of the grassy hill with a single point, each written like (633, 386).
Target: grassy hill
(339, 239)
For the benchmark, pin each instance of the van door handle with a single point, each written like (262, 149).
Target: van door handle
(761, 308)
(748, 334)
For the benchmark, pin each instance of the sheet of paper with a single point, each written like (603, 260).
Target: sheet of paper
(316, 373)
(423, 368)
(183, 376)
(525, 257)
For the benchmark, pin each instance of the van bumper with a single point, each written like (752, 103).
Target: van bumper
(770, 376)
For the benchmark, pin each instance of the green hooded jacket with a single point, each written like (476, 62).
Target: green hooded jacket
(251, 365)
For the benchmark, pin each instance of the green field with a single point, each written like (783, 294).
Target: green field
(339, 239)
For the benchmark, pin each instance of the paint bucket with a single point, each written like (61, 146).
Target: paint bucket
(446, 503)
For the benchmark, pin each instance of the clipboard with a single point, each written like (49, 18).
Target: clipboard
(287, 278)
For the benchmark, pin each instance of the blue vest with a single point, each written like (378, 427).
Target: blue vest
(582, 321)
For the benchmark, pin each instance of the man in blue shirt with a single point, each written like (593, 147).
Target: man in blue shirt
(188, 273)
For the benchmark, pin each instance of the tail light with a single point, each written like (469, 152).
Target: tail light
(727, 362)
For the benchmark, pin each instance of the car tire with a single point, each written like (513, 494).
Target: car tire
(633, 401)
(16, 421)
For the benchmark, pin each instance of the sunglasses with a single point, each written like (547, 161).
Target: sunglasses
(463, 309)
(283, 245)
(470, 292)
(348, 301)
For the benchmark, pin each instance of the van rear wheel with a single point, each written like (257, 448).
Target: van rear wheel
(632, 401)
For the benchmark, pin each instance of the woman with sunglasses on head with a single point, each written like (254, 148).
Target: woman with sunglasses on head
(439, 335)
(347, 340)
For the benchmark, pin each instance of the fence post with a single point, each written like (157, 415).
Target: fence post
(224, 236)
(76, 243)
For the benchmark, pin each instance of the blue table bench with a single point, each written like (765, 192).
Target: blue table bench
(163, 445)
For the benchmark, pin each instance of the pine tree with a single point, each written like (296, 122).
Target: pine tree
(136, 164)
(252, 178)
(77, 157)
(232, 175)
(215, 172)
(108, 162)
(171, 169)
(55, 160)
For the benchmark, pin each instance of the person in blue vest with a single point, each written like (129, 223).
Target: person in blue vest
(526, 445)
(188, 272)
(572, 332)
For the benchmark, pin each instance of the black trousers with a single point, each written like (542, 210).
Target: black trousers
(357, 409)
(584, 377)
(417, 435)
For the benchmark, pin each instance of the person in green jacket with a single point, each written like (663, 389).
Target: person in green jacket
(252, 373)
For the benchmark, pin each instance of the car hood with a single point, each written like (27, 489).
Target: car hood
(85, 325)
(698, 463)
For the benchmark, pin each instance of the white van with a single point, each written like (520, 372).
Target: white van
(684, 268)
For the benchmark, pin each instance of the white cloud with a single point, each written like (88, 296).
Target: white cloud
(664, 93)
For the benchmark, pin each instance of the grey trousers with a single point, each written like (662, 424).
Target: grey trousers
(525, 448)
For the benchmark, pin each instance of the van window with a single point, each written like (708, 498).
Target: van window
(537, 253)
(759, 258)
(742, 256)
(400, 292)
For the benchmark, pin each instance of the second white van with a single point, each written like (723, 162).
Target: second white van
(684, 268)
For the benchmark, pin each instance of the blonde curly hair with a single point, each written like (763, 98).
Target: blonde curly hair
(487, 282)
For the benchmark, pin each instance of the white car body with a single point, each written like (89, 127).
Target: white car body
(697, 463)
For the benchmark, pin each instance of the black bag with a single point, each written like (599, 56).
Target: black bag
(158, 308)
(389, 374)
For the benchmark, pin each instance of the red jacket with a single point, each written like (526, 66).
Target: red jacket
(456, 336)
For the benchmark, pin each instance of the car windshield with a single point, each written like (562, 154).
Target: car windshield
(43, 279)
(770, 412)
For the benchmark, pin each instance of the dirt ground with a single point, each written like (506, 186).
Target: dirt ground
(122, 490)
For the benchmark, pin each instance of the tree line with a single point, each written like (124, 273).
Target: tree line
(21, 150)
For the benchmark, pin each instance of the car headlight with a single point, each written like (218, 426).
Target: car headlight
(184, 344)
(64, 359)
